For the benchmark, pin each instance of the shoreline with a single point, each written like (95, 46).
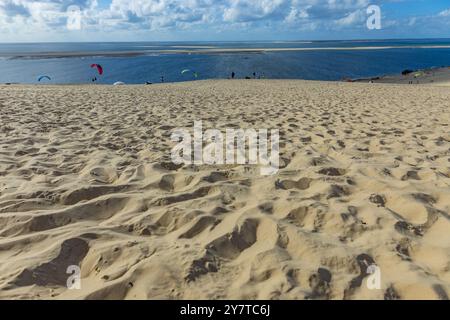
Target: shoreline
(87, 179)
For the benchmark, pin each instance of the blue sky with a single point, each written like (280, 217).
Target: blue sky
(161, 20)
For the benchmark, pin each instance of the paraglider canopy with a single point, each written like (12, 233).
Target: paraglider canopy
(190, 71)
(118, 83)
(99, 68)
(43, 77)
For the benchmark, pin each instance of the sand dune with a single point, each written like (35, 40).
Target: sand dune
(86, 179)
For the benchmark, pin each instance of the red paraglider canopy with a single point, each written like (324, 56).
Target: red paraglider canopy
(99, 68)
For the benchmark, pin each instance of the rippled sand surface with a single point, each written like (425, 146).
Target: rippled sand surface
(86, 179)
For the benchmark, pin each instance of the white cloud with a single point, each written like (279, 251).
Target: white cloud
(445, 13)
(175, 13)
(18, 17)
(352, 18)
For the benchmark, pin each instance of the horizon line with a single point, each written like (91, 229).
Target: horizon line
(229, 41)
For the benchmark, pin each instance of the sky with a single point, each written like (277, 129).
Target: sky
(218, 20)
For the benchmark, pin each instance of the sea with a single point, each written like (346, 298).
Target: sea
(154, 62)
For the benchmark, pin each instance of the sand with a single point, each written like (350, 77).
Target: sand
(86, 179)
(433, 77)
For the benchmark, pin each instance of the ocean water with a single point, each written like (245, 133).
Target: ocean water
(139, 62)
